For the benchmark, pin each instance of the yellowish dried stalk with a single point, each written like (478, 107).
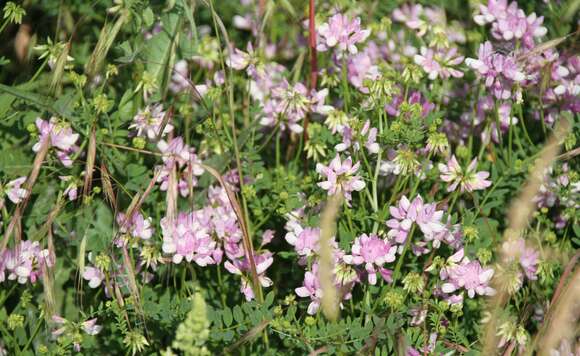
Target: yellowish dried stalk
(560, 324)
(90, 165)
(519, 215)
(108, 35)
(330, 294)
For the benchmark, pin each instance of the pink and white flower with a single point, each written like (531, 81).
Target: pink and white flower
(467, 180)
(373, 252)
(342, 33)
(340, 177)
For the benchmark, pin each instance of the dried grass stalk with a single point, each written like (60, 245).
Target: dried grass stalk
(330, 294)
(90, 165)
(519, 215)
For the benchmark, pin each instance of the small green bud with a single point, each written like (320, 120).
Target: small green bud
(15, 321)
(484, 255)
(310, 321)
(394, 299)
(31, 128)
(284, 195)
(413, 283)
(139, 142)
(278, 310)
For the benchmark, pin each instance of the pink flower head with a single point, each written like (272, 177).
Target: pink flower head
(439, 63)
(14, 190)
(187, 238)
(90, 327)
(60, 136)
(148, 122)
(468, 275)
(527, 257)
(342, 33)
(24, 262)
(137, 226)
(311, 289)
(340, 177)
(426, 216)
(373, 252)
(468, 180)
(305, 242)
(242, 267)
(94, 275)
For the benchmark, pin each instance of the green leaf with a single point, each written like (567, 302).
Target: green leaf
(238, 314)
(228, 318)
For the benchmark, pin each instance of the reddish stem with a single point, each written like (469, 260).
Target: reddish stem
(313, 58)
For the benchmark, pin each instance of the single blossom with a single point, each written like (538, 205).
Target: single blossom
(466, 274)
(373, 252)
(94, 275)
(468, 179)
(527, 257)
(340, 177)
(14, 190)
(59, 136)
(149, 122)
(342, 33)
(242, 267)
(407, 213)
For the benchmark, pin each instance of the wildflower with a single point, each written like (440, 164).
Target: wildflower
(135, 341)
(498, 71)
(341, 32)
(424, 215)
(373, 252)
(438, 64)
(437, 142)
(137, 225)
(242, 267)
(187, 238)
(14, 191)
(366, 136)
(90, 327)
(72, 186)
(311, 288)
(413, 283)
(467, 180)
(305, 242)
(94, 275)
(60, 136)
(23, 263)
(468, 275)
(148, 122)
(527, 257)
(337, 120)
(340, 177)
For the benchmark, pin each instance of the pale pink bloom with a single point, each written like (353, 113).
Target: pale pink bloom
(410, 16)
(60, 136)
(180, 77)
(439, 64)
(340, 177)
(14, 190)
(24, 262)
(187, 238)
(466, 274)
(468, 179)
(90, 327)
(373, 252)
(342, 33)
(527, 257)
(305, 242)
(311, 289)
(407, 213)
(94, 275)
(242, 268)
(137, 226)
(72, 188)
(367, 136)
(148, 122)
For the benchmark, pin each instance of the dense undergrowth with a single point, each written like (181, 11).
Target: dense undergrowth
(289, 177)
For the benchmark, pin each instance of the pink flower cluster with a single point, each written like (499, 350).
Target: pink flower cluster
(137, 226)
(60, 136)
(467, 180)
(148, 123)
(182, 158)
(499, 72)
(340, 177)
(24, 262)
(510, 23)
(366, 137)
(341, 33)
(373, 252)
(204, 235)
(407, 213)
(466, 274)
(526, 257)
(14, 191)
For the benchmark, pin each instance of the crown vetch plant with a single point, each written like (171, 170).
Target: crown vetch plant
(170, 173)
